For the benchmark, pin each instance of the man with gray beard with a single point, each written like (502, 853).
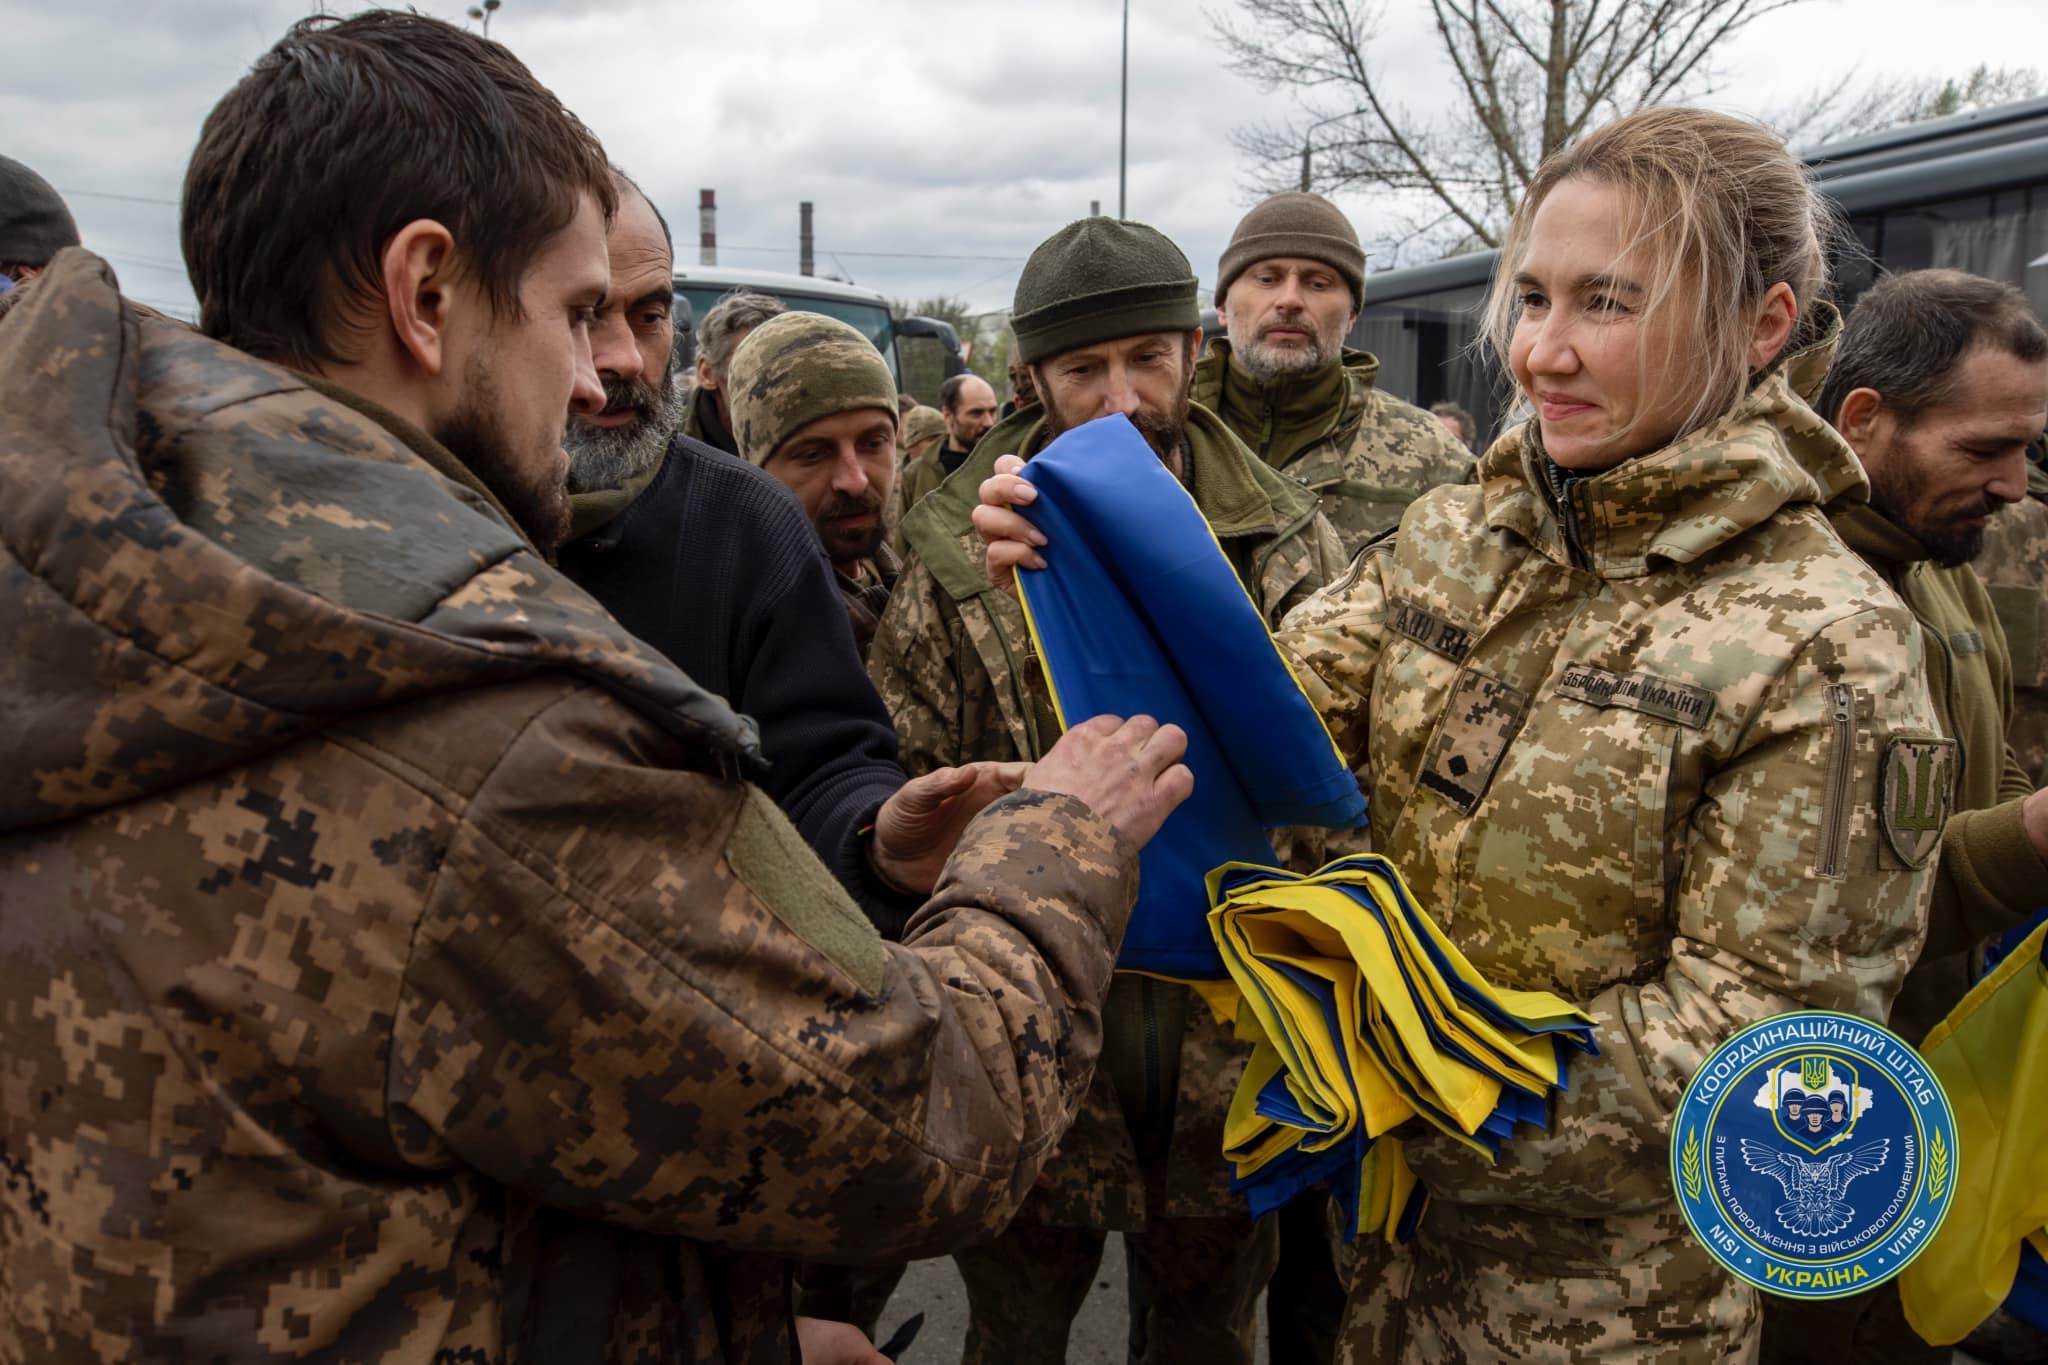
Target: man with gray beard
(715, 564)
(1289, 288)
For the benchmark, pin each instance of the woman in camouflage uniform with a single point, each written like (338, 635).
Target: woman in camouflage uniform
(1626, 702)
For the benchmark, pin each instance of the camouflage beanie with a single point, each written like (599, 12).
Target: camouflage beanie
(922, 424)
(794, 369)
(1100, 279)
(1297, 224)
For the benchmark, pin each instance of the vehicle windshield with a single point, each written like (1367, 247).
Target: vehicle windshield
(871, 319)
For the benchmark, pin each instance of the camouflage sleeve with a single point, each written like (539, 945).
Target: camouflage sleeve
(910, 661)
(635, 996)
(1784, 899)
(1332, 642)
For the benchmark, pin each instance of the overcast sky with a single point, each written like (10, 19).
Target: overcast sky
(939, 139)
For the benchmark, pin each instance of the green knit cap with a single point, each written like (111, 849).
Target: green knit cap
(1101, 279)
(1297, 224)
(794, 369)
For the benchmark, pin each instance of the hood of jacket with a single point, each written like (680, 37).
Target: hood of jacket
(207, 557)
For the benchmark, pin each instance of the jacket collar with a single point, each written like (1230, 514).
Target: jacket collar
(1680, 503)
(591, 512)
(1281, 419)
(1236, 492)
(1888, 546)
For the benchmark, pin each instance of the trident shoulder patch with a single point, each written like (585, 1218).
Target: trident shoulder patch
(1913, 796)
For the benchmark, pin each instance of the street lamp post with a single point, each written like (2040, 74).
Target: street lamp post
(484, 12)
(1123, 130)
(1306, 150)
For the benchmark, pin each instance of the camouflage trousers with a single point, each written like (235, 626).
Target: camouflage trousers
(1194, 1287)
(1486, 1284)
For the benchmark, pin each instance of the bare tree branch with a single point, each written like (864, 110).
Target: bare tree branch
(1527, 76)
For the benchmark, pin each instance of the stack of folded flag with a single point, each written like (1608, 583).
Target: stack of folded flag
(1363, 1015)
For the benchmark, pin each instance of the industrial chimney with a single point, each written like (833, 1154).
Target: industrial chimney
(707, 227)
(803, 239)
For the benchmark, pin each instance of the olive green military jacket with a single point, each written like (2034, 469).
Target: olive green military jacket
(2014, 567)
(1634, 754)
(1363, 452)
(954, 663)
(1989, 878)
(391, 968)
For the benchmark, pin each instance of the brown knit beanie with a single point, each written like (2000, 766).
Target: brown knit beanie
(1101, 279)
(1298, 224)
(794, 369)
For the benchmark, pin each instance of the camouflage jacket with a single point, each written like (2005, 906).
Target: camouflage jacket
(1632, 755)
(919, 477)
(1364, 453)
(2014, 567)
(1989, 878)
(955, 666)
(391, 969)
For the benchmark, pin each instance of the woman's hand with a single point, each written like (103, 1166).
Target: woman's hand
(1013, 542)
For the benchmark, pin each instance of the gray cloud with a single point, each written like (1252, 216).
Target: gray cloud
(972, 128)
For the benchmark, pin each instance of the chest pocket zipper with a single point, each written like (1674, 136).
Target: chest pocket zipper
(1834, 819)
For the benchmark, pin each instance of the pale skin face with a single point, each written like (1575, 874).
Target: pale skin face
(1945, 473)
(974, 414)
(498, 389)
(1142, 377)
(842, 468)
(632, 337)
(1287, 315)
(1608, 378)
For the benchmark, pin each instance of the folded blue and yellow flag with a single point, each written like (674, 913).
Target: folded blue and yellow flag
(1991, 1056)
(1364, 1015)
(1140, 612)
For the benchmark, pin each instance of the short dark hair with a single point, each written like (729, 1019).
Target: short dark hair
(342, 134)
(1908, 334)
(949, 392)
(1446, 408)
(630, 183)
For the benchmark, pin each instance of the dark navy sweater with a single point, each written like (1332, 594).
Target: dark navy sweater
(716, 565)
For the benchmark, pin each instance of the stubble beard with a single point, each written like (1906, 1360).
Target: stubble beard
(532, 489)
(1892, 496)
(1165, 432)
(1268, 364)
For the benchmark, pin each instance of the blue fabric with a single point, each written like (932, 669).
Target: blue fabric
(2029, 1298)
(1139, 612)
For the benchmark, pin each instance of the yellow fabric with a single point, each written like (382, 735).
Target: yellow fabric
(1991, 1056)
(1382, 1063)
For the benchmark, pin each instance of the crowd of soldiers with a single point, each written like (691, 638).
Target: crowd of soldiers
(476, 890)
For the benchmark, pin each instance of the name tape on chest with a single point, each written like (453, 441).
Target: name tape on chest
(1679, 703)
(1432, 632)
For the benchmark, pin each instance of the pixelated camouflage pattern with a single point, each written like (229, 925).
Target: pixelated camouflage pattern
(1364, 453)
(1696, 851)
(380, 979)
(1989, 878)
(796, 368)
(955, 665)
(2014, 567)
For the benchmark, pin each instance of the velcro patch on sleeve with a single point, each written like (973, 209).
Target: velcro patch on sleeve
(1475, 731)
(767, 853)
(1680, 703)
(1915, 792)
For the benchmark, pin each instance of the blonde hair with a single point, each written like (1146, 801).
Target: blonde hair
(1723, 210)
